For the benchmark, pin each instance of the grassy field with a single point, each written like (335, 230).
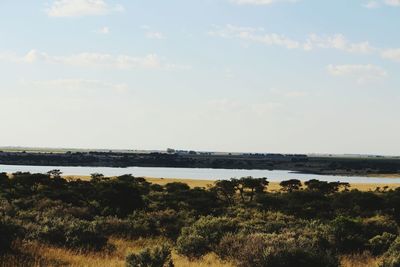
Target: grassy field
(35, 254)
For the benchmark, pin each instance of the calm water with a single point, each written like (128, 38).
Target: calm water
(194, 173)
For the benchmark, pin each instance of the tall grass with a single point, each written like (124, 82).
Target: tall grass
(360, 260)
(35, 254)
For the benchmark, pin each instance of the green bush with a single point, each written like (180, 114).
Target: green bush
(378, 225)
(138, 226)
(69, 232)
(392, 257)
(348, 235)
(204, 235)
(167, 223)
(192, 245)
(380, 243)
(264, 222)
(156, 257)
(275, 250)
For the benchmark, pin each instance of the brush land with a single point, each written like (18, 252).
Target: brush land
(49, 220)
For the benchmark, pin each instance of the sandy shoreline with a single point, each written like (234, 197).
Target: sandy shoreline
(273, 186)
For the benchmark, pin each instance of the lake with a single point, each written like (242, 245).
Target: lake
(196, 173)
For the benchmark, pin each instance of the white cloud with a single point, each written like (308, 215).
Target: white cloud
(391, 54)
(239, 107)
(336, 41)
(392, 2)
(288, 94)
(154, 35)
(151, 34)
(362, 73)
(254, 35)
(258, 35)
(103, 30)
(150, 61)
(260, 2)
(30, 57)
(79, 8)
(78, 84)
(378, 3)
(372, 5)
(312, 42)
(228, 73)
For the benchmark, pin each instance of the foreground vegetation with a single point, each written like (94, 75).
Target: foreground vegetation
(128, 221)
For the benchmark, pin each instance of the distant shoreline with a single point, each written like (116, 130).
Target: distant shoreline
(335, 166)
(393, 175)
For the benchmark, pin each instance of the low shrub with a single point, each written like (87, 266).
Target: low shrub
(204, 235)
(156, 257)
(124, 228)
(167, 223)
(68, 232)
(378, 225)
(392, 256)
(348, 235)
(275, 250)
(380, 243)
(253, 221)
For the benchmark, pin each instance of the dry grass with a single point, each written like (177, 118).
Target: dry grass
(359, 260)
(35, 254)
(208, 260)
(191, 182)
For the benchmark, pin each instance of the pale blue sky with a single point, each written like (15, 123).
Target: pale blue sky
(224, 75)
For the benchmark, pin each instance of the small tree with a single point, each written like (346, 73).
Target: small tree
(248, 187)
(290, 185)
(226, 190)
(96, 177)
(325, 187)
(55, 174)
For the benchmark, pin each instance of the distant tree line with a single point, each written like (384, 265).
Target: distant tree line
(192, 159)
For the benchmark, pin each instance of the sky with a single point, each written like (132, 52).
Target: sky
(281, 76)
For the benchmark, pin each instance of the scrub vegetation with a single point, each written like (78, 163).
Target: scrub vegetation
(46, 220)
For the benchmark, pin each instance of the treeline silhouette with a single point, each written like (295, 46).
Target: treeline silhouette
(299, 163)
(303, 224)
